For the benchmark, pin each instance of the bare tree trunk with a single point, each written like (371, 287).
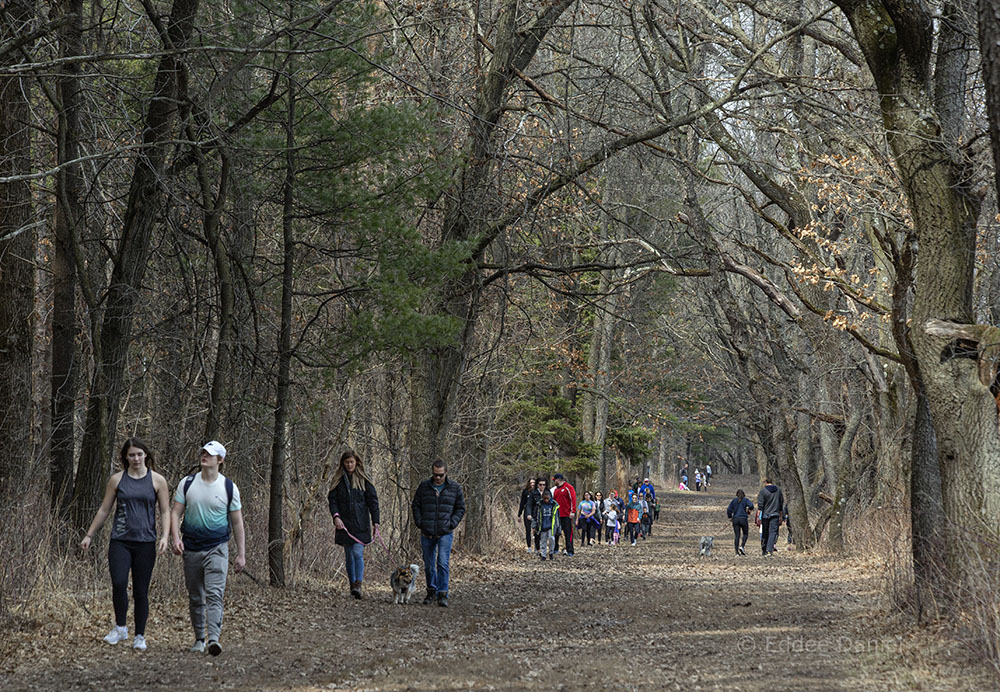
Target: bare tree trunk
(17, 253)
(944, 210)
(279, 447)
(989, 29)
(111, 346)
(68, 224)
(437, 373)
(213, 207)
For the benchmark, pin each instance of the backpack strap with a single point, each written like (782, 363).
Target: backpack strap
(229, 490)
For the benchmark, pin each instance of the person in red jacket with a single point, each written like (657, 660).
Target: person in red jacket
(565, 495)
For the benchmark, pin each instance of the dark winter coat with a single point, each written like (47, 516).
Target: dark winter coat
(534, 499)
(522, 508)
(547, 518)
(354, 507)
(438, 513)
(770, 501)
(739, 509)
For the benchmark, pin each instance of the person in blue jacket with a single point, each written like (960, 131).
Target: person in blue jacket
(647, 487)
(739, 511)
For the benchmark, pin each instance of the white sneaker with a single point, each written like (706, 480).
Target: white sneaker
(139, 642)
(198, 647)
(117, 634)
(215, 648)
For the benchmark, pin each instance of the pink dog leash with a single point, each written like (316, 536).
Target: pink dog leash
(378, 535)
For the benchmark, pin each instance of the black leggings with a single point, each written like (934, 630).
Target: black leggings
(139, 556)
(527, 532)
(740, 526)
(632, 531)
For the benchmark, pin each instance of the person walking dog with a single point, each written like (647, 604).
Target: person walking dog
(438, 506)
(353, 501)
(739, 511)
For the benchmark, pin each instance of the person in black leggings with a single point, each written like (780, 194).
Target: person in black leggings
(136, 490)
(739, 511)
(524, 511)
(534, 498)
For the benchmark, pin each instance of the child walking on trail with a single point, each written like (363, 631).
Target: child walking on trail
(647, 516)
(610, 522)
(633, 511)
(545, 522)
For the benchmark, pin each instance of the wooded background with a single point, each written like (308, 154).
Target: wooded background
(599, 237)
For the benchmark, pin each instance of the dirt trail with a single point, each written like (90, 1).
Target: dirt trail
(653, 617)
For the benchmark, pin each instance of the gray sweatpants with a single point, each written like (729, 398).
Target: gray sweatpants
(205, 576)
(546, 543)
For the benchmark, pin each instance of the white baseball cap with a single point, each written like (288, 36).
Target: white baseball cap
(215, 448)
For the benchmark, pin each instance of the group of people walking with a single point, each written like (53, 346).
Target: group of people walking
(207, 511)
(770, 515)
(553, 513)
(700, 481)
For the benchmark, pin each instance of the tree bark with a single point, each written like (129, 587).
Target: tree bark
(17, 254)
(935, 179)
(68, 224)
(989, 51)
(279, 447)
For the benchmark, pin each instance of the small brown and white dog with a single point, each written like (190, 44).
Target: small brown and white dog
(404, 582)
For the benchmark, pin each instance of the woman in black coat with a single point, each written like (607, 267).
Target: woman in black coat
(353, 501)
(524, 510)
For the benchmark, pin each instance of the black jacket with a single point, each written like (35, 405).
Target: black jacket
(437, 514)
(525, 494)
(534, 499)
(770, 501)
(354, 507)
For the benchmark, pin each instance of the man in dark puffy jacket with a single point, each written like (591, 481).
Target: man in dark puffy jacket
(438, 506)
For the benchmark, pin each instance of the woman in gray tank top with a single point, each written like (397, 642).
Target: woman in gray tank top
(136, 490)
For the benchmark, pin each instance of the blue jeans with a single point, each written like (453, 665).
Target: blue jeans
(437, 555)
(354, 561)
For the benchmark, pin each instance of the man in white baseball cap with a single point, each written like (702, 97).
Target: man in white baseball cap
(214, 448)
(208, 503)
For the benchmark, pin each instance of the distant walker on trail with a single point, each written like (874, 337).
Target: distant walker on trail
(739, 511)
(565, 495)
(438, 506)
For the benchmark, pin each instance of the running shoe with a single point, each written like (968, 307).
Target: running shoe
(117, 634)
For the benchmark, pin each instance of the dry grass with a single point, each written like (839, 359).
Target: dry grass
(964, 611)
